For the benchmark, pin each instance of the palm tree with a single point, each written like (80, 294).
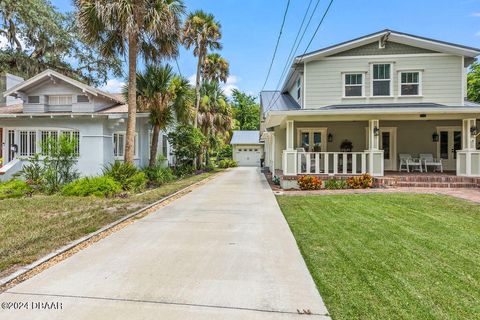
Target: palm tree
(201, 32)
(168, 98)
(215, 68)
(146, 28)
(215, 114)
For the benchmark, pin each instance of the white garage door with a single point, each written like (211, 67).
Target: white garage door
(248, 156)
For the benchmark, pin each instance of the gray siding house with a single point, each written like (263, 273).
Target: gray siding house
(372, 105)
(50, 104)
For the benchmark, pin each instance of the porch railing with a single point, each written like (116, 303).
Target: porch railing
(349, 163)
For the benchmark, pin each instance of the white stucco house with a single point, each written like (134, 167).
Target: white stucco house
(247, 150)
(370, 105)
(50, 104)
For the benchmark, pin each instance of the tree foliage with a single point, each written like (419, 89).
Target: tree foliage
(215, 68)
(40, 37)
(187, 141)
(473, 83)
(246, 111)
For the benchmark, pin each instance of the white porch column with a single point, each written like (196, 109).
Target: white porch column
(374, 154)
(290, 154)
(468, 159)
(290, 135)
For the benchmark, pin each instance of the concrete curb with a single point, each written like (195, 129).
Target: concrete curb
(23, 270)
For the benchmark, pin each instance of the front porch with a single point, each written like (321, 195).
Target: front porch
(340, 148)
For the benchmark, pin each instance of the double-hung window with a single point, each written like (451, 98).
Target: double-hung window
(28, 143)
(119, 142)
(382, 80)
(410, 83)
(59, 100)
(353, 85)
(299, 88)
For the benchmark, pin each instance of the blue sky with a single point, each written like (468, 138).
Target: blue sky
(250, 29)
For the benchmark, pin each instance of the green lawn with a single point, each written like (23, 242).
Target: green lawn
(33, 227)
(390, 256)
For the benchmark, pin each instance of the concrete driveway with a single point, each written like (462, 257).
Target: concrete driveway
(224, 251)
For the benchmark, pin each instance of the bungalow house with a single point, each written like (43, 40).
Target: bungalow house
(378, 104)
(51, 104)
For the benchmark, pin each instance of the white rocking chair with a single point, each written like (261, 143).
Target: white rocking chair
(429, 160)
(406, 161)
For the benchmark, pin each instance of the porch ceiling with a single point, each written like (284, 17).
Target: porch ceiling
(365, 113)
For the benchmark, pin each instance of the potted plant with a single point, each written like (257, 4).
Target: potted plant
(346, 146)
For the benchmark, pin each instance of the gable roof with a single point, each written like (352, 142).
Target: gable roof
(395, 36)
(51, 73)
(245, 137)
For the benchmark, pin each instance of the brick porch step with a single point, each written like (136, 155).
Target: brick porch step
(468, 185)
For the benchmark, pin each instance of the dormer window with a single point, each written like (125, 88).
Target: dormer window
(382, 80)
(33, 99)
(82, 98)
(59, 100)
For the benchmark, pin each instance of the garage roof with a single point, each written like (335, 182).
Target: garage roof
(245, 137)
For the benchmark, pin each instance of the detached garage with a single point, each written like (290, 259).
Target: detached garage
(247, 148)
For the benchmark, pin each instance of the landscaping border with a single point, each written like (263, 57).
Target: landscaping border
(28, 271)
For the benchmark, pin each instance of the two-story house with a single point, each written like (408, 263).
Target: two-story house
(51, 104)
(383, 102)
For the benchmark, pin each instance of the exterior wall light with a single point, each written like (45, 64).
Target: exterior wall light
(330, 137)
(473, 130)
(376, 131)
(435, 137)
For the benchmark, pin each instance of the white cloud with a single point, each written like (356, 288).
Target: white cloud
(113, 86)
(3, 42)
(227, 87)
(230, 85)
(475, 14)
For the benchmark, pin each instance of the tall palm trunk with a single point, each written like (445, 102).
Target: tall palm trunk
(197, 89)
(154, 145)
(132, 97)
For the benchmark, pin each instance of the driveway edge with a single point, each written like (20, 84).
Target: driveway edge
(26, 272)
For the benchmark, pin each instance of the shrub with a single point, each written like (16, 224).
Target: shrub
(227, 163)
(127, 175)
(276, 180)
(59, 162)
(187, 142)
(14, 189)
(159, 175)
(33, 172)
(225, 152)
(184, 170)
(97, 186)
(364, 181)
(335, 184)
(137, 182)
(309, 183)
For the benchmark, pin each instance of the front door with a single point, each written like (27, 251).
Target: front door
(388, 143)
(312, 140)
(450, 140)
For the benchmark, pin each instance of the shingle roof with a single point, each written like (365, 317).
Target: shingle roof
(245, 137)
(277, 101)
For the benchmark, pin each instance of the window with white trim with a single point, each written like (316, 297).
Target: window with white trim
(353, 85)
(44, 137)
(299, 88)
(119, 142)
(410, 83)
(59, 100)
(381, 80)
(82, 98)
(28, 143)
(164, 145)
(33, 99)
(73, 136)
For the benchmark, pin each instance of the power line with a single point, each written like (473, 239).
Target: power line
(309, 43)
(295, 46)
(178, 67)
(276, 46)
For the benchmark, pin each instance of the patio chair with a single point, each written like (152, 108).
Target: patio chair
(407, 161)
(429, 160)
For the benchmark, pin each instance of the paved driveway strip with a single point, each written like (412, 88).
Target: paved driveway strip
(224, 251)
